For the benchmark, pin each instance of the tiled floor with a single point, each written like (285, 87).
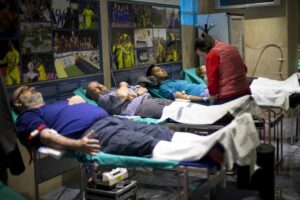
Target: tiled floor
(288, 174)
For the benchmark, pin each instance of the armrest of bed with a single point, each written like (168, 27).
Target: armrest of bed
(55, 153)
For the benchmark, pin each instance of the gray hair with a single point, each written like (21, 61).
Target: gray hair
(35, 98)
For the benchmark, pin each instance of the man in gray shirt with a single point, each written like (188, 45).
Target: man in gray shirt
(127, 100)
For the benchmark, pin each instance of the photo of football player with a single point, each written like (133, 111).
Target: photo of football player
(88, 15)
(10, 62)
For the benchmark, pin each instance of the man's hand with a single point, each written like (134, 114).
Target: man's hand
(132, 95)
(206, 99)
(141, 90)
(123, 92)
(88, 145)
(212, 99)
(75, 100)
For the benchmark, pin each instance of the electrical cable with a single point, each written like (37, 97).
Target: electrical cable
(281, 60)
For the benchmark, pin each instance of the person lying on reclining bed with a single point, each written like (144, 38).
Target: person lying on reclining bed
(127, 100)
(201, 72)
(87, 128)
(181, 89)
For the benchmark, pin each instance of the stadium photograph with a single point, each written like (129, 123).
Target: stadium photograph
(79, 63)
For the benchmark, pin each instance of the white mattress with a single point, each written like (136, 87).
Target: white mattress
(268, 92)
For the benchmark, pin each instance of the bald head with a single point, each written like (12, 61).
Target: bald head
(94, 90)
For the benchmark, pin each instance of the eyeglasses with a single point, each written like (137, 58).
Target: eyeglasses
(22, 90)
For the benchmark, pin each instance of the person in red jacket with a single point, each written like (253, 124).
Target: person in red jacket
(226, 71)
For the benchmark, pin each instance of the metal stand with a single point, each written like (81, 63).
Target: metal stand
(275, 122)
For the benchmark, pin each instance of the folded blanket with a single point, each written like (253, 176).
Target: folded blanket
(191, 113)
(268, 92)
(239, 139)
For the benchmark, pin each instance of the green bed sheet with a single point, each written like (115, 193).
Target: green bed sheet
(190, 75)
(7, 194)
(121, 161)
(82, 93)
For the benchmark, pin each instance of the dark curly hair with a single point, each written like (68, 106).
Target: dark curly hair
(205, 43)
(149, 70)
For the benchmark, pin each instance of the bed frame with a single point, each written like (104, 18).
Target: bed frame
(47, 167)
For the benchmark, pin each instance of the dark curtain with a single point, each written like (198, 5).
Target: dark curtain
(10, 156)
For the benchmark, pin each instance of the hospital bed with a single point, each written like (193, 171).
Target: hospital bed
(42, 175)
(209, 120)
(277, 97)
(182, 114)
(49, 163)
(46, 167)
(274, 97)
(284, 95)
(190, 74)
(173, 112)
(239, 151)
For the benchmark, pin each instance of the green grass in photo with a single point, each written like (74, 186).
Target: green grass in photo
(73, 70)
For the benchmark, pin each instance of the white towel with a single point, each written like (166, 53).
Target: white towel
(239, 138)
(268, 92)
(191, 113)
